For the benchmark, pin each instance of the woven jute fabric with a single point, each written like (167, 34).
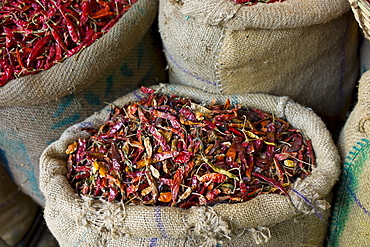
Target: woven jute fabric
(17, 210)
(361, 11)
(36, 109)
(306, 50)
(267, 220)
(351, 218)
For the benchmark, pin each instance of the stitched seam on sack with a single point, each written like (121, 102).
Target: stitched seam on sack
(338, 224)
(158, 220)
(358, 151)
(153, 242)
(182, 69)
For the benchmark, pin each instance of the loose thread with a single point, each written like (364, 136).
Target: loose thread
(317, 212)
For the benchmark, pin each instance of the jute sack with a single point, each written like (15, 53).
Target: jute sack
(267, 220)
(351, 218)
(361, 11)
(17, 211)
(364, 56)
(36, 109)
(306, 50)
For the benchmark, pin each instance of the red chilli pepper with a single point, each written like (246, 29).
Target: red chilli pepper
(213, 177)
(271, 181)
(38, 49)
(177, 179)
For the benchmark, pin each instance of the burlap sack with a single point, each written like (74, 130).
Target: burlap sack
(350, 220)
(36, 109)
(17, 211)
(306, 50)
(361, 11)
(364, 56)
(267, 220)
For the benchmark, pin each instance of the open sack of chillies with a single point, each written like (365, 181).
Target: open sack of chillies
(50, 46)
(175, 166)
(60, 61)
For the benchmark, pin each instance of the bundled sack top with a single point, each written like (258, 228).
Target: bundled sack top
(306, 50)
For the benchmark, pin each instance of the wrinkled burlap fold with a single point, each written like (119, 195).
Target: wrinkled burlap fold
(267, 220)
(306, 50)
(350, 220)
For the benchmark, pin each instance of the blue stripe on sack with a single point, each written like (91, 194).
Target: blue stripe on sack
(85, 125)
(26, 169)
(66, 121)
(126, 71)
(158, 220)
(92, 98)
(137, 95)
(348, 171)
(153, 242)
(187, 72)
(234, 100)
(346, 194)
(67, 100)
(358, 202)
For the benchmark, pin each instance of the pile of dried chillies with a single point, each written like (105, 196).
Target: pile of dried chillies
(171, 151)
(34, 35)
(254, 2)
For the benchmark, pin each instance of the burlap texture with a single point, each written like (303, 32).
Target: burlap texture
(351, 212)
(306, 50)
(36, 109)
(268, 219)
(361, 11)
(17, 211)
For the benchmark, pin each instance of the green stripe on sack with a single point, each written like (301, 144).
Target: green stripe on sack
(346, 195)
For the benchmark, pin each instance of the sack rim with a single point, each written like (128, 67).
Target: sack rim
(291, 207)
(287, 14)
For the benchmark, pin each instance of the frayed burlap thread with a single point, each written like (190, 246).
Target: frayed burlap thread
(210, 226)
(267, 220)
(261, 235)
(109, 220)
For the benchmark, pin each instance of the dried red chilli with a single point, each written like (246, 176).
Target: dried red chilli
(172, 151)
(35, 35)
(254, 2)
